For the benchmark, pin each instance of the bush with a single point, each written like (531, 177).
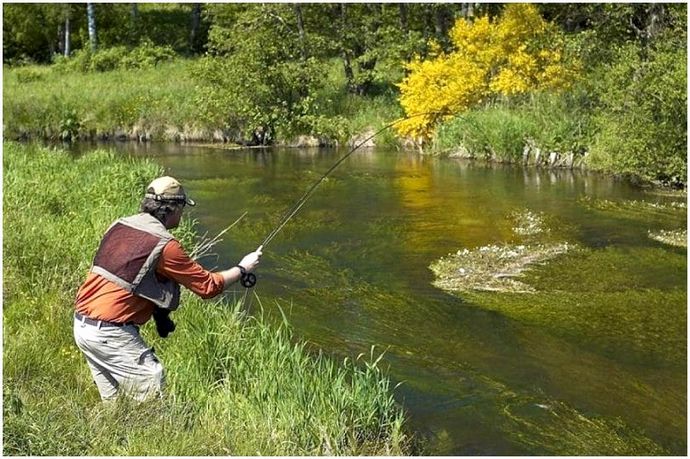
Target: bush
(144, 56)
(28, 74)
(642, 121)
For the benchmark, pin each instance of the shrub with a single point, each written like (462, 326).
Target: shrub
(516, 54)
(146, 55)
(28, 74)
(642, 121)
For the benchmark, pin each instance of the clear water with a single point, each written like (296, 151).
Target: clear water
(599, 369)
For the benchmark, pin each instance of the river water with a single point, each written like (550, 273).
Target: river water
(593, 363)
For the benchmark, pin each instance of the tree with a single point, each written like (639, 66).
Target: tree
(91, 14)
(257, 81)
(517, 53)
(641, 113)
(34, 31)
(66, 46)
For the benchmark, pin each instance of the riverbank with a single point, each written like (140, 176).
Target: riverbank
(169, 103)
(235, 385)
(165, 103)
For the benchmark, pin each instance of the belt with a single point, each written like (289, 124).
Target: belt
(99, 323)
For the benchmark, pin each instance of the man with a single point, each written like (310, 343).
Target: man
(136, 274)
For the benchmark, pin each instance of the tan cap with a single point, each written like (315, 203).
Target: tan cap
(167, 189)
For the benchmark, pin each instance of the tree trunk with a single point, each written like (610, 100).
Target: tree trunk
(61, 38)
(300, 28)
(404, 25)
(91, 17)
(67, 37)
(344, 54)
(196, 21)
(428, 21)
(467, 10)
(655, 21)
(134, 23)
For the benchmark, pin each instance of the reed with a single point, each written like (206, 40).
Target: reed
(236, 385)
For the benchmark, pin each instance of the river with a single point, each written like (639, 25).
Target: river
(593, 363)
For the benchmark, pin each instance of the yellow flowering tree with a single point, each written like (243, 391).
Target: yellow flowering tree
(515, 54)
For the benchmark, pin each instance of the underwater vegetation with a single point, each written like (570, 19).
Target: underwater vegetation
(671, 237)
(496, 267)
(617, 300)
(492, 268)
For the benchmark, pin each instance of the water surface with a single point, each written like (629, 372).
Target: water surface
(594, 363)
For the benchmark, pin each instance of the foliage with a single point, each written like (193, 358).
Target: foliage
(145, 55)
(264, 87)
(236, 385)
(642, 117)
(29, 30)
(515, 54)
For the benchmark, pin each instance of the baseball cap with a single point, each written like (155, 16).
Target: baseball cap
(167, 189)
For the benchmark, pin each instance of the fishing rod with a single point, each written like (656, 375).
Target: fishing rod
(248, 280)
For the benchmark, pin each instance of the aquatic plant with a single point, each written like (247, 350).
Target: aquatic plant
(528, 223)
(556, 428)
(493, 267)
(637, 209)
(672, 237)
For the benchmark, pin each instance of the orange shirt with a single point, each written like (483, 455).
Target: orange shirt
(100, 299)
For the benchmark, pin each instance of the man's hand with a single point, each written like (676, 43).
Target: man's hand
(251, 260)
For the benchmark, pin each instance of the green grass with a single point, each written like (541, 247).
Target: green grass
(500, 130)
(492, 133)
(235, 384)
(164, 102)
(160, 101)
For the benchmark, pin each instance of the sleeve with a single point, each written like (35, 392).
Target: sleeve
(175, 264)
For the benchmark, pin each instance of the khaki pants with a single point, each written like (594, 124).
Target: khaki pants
(120, 361)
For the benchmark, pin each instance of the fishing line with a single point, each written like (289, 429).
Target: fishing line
(301, 201)
(248, 280)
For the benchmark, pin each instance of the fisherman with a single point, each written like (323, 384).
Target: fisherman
(136, 274)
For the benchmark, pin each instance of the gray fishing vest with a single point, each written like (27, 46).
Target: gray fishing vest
(128, 256)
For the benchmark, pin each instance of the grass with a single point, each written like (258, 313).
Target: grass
(162, 103)
(500, 130)
(235, 384)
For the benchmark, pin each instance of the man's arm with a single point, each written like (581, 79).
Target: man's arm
(177, 265)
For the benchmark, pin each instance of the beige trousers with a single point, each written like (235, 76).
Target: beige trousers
(120, 361)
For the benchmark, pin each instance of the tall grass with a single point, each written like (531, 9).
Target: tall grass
(40, 101)
(235, 385)
(165, 102)
(500, 130)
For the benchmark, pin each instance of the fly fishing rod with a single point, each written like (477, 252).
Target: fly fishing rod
(248, 280)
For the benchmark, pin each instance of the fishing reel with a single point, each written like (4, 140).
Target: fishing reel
(247, 280)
